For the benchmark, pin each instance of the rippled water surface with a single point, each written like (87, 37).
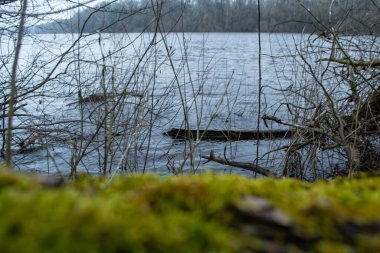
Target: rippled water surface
(206, 80)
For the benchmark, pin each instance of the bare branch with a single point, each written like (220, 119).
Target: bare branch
(247, 166)
(354, 63)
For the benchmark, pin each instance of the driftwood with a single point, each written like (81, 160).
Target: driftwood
(247, 166)
(227, 135)
(27, 142)
(94, 98)
(101, 97)
(28, 150)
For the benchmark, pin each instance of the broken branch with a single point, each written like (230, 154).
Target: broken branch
(355, 63)
(247, 166)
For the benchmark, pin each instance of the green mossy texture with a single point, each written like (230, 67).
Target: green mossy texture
(204, 213)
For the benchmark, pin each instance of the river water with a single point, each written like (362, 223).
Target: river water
(195, 80)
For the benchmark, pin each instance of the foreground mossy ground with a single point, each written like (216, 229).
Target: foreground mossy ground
(204, 213)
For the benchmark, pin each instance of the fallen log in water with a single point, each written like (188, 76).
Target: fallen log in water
(94, 98)
(227, 135)
(103, 97)
(247, 166)
(28, 150)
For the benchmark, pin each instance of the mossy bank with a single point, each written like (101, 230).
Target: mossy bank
(204, 213)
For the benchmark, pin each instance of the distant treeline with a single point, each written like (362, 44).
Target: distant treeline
(346, 16)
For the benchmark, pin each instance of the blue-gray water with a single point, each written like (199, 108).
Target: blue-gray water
(212, 78)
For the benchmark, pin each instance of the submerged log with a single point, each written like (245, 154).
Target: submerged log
(28, 150)
(227, 135)
(93, 98)
(103, 97)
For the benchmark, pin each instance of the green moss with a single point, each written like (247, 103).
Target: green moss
(205, 213)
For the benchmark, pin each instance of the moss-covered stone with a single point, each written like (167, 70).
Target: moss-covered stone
(206, 213)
